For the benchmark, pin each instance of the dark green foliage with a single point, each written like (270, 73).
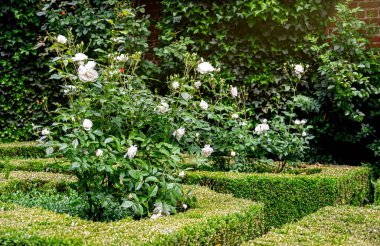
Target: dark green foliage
(24, 89)
(290, 197)
(377, 192)
(22, 150)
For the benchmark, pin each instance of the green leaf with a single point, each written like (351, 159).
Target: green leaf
(108, 140)
(153, 191)
(127, 204)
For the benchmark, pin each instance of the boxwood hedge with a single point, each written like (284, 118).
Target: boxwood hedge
(343, 225)
(58, 165)
(22, 149)
(288, 197)
(217, 219)
(377, 192)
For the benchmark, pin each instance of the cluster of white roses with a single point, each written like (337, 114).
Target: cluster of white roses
(262, 128)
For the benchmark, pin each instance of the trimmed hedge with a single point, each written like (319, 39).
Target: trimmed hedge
(38, 165)
(377, 192)
(329, 226)
(22, 149)
(217, 219)
(289, 197)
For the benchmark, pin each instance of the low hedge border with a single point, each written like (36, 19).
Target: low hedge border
(343, 225)
(377, 192)
(24, 181)
(58, 165)
(217, 219)
(289, 197)
(22, 149)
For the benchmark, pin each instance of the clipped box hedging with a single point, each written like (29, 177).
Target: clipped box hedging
(22, 149)
(217, 219)
(37, 165)
(356, 226)
(377, 192)
(289, 197)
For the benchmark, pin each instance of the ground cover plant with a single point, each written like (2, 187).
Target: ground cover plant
(341, 225)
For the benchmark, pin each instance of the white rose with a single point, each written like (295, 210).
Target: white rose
(203, 105)
(61, 39)
(79, 57)
(87, 124)
(131, 152)
(234, 116)
(178, 134)
(163, 107)
(181, 174)
(197, 84)
(234, 92)
(298, 69)
(205, 67)
(122, 58)
(244, 123)
(260, 128)
(303, 122)
(99, 153)
(45, 132)
(304, 134)
(297, 122)
(175, 85)
(87, 73)
(184, 206)
(197, 135)
(207, 150)
(233, 153)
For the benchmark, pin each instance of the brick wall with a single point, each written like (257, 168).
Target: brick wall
(371, 14)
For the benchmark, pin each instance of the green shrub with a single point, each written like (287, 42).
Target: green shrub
(329, 226)
(377, 192)
(216, 219)
(288, 197)
(38, 165)
(22, 149)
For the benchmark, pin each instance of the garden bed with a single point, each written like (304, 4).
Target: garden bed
(289, 197)
(216, 219)
(329, 226)
(56, 165)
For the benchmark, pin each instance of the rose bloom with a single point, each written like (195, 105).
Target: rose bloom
(45, 132)
(197, 84)
(233, 153)
(234, 92)
(175, 85)
(99, 153)
(205, 67)
(87, 73)
(207, 150)
(181, 174)
(179, 133)
(260, 128)
(234, 116)
(79, 57)
(297, 122)
(122, 58)
(304, 134)
(298, 69)
(303, 122)
(184, 206)
(131, 152)
(203, 105)
(87, 124)
(61, 39)
(163, 107)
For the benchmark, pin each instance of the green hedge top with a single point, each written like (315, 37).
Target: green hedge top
(288, 197)
(377, 192)
(216, 219)
(22, 149)
(58, 165)
(329, 226)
